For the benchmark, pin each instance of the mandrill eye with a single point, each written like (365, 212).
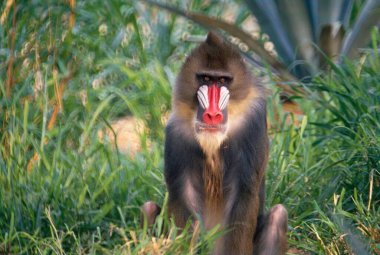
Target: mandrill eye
(206, 78)
(222, 81)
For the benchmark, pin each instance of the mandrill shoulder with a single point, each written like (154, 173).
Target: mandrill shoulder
(180, 128)
(246, 108)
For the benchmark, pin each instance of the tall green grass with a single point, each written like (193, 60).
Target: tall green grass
(65, 191)
(327, 170)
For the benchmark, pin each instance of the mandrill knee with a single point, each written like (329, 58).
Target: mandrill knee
(271, 239)
(278, 216)
(149, 211)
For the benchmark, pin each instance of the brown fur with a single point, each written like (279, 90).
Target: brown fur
(213, 188)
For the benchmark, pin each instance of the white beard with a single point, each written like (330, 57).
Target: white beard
(210, 141)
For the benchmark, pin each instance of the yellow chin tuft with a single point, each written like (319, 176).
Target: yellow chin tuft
(210, 141)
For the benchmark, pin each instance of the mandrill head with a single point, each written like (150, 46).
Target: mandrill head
(213, 92)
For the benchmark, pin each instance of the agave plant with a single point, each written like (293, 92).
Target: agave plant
(304, 32)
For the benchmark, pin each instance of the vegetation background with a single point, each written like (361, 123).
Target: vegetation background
(70, 69)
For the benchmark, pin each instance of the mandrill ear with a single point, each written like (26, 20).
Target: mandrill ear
(213, 39)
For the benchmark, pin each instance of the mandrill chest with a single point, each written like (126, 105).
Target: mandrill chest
(205, 194)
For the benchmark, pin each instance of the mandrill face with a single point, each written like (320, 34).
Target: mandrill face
(213, 96)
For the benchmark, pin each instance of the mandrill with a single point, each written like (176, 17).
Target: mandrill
(216, 152)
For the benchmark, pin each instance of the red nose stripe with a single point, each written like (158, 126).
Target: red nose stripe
(213, 115)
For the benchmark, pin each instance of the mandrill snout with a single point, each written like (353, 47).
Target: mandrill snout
(212, 117)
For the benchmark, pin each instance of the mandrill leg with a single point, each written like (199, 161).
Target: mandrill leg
(270, 238)
(149, 211)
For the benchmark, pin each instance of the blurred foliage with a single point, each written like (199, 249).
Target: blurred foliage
(305, 33)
